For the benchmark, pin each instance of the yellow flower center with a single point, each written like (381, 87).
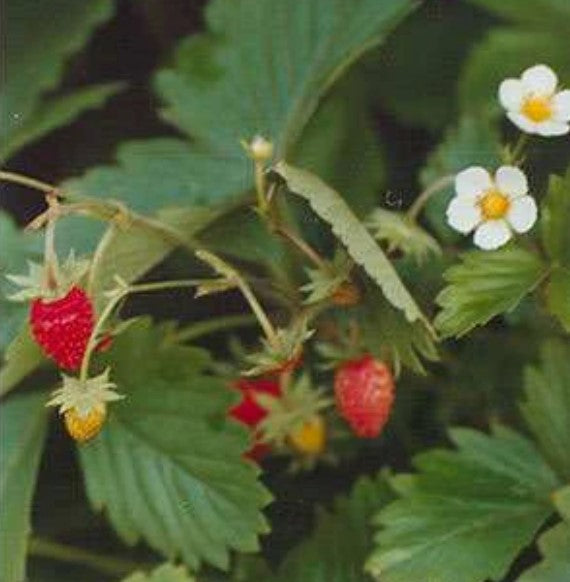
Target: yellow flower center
(494, 204)
(537, 108)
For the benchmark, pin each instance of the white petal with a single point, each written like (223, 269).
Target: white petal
(522, 213)
(492, 234)
(561, 103)
(463, 214)
(540, 79)
(511, 181)
(522, 122)
(511, 94)
(551, 128)
(472, 182)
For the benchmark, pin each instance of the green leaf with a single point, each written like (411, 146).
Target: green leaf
(449, 32)
(555, 210)
(484, 285)
(22, 434)
(161, 464)
(55, 113)
(538, 13)
(340, 542)
(21, 358)
(16, 247)
(262, 68)
(519, 49)
(558, 296)
(562, 502)
(547, 405)
(554, 547)
(165, 573)
(331, 207)
(467, 513)
(388, 335)
(33, 67)
(275, 63)
(472, 142)
(399, 233)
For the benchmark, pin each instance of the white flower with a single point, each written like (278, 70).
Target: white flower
(534, 105)
(493, 207)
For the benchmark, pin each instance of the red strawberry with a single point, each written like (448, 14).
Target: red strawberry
(62, 327)
(364, 391)
(250, 412)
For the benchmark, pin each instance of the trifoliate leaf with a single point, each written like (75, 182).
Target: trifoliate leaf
(401, 234)
(547, 405)
(56, 113)
(389, 336)
(167, 467)
(274, 64)
(474, 141)
(33, 67)
(332, 208)
(338, 546)
(555, 210)
(484, 285)
(467, 513)
(16, 247)
(554, 545)
(483, 72)
(22, 434)
(165, 573)
(260, 70)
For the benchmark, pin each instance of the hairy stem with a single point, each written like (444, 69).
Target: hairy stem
(419, 203)
(209, 326)
(72, 555)
(15, 178)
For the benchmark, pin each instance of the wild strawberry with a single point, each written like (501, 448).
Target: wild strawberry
(364, 392)
(83, 403)
(309, 438)
(63, 326)
(250, 412)
(84, 428)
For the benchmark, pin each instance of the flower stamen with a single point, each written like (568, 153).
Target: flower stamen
(537, 108)
(494, 204)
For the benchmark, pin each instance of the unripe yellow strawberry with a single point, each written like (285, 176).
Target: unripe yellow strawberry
(310, 438)
(84, 428)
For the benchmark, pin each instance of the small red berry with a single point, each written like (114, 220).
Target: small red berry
(250, 412)
(62, 327)
(364, 393)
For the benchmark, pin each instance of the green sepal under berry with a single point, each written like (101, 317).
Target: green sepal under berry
(323, 283)
(84, 395)
(283, 353)
(400, 233)
(36, 285)
(299, 402)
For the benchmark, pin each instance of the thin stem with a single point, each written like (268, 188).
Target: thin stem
(26, 181)
(518, 149)
(302, 246)
(259, 313)
(50, 256)
(112, 304)
(98, 255)
(72, 555)
(209, 326)
(260, 186)
(415, 209)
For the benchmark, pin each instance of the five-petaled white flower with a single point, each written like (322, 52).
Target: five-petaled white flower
(493, 207)
(534, 105)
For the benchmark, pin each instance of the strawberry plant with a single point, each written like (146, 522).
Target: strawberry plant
(285, 291)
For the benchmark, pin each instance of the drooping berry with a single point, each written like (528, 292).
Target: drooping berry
(364, 394)
(63, 326)
(309, 439)
(250, 412)
(84, 428)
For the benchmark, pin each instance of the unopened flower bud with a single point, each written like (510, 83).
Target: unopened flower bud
(260, 149)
